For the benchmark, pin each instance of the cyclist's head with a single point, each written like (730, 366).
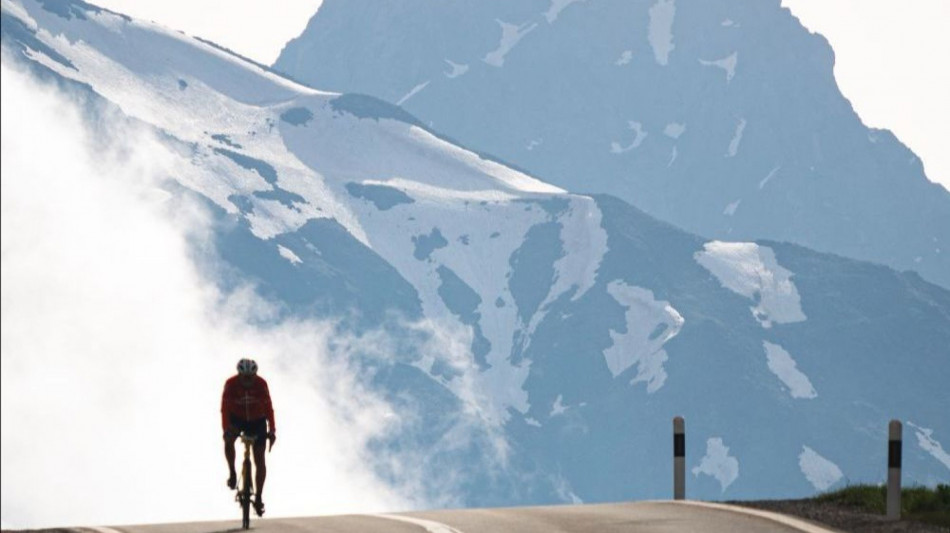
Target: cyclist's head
(247, 367)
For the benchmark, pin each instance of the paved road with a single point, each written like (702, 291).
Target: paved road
(645, 517)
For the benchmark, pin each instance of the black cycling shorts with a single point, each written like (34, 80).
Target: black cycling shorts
(251, 427)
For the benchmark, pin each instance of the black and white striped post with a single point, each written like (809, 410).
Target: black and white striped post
(679, 458)
(894, 445)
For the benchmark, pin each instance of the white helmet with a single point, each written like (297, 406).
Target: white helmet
(247, 367)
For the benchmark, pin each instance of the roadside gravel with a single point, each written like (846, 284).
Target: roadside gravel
(842, 518)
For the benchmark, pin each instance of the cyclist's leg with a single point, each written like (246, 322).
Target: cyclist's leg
(261, 466)
(260, 462)
(229, 455)
(229, 451)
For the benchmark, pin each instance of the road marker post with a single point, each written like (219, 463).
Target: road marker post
(894, 451)
(679, 458)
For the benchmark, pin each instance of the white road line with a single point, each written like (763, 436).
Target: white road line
(801, 525)
(100, 529)
(429, 525)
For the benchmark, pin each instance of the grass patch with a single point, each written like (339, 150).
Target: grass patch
(931, 505)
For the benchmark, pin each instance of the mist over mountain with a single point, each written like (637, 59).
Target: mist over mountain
(533, 343)
(721, 117)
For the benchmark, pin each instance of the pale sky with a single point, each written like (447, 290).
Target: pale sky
(892, 55)
(893, 63)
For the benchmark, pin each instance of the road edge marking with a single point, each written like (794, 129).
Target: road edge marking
(798, 523)
(429, 525)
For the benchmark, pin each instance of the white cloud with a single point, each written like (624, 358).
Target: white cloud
(115, 347)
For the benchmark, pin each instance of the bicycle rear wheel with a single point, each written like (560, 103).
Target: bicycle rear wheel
(246, 494)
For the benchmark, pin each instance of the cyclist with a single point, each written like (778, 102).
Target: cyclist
(246, 406)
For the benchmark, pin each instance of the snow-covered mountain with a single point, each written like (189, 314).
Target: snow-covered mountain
(721, 117)
(579, 325)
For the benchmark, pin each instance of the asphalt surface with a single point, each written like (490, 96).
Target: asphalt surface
(647, 517)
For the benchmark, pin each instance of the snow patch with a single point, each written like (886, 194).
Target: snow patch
(493, 393)
(927, 443)
(415, 90)
(673, 130)
(727, 64)
(731, 208)
(457, 70)
(289, 255)
(510, 35)
(616, 148)
(650, 324)
(752, 271)
(660, 30)
(556, 7)
(736, 139)
(558, 407)
(231, 97)
(504, 176)
(782, 365)
(769, 177)
(718, 463)
(820, 472)
(625, 57)
(425, 191)
(584, 243)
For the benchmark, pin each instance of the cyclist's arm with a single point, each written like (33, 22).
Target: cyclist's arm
(225, 419)
(269, 409)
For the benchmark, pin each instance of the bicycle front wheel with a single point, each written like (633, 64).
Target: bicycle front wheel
(246, 495)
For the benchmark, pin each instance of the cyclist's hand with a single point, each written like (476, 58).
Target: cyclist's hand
(271, 437)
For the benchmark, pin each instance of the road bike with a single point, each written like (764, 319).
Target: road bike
(245, 490)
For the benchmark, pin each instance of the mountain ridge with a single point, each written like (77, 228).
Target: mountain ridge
(723, 118)
(579, 325)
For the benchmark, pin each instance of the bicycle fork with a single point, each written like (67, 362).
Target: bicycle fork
(246, 491)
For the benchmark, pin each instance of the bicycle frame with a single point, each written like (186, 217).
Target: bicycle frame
(246, 489)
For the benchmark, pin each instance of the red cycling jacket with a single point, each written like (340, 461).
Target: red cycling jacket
(246, 403)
